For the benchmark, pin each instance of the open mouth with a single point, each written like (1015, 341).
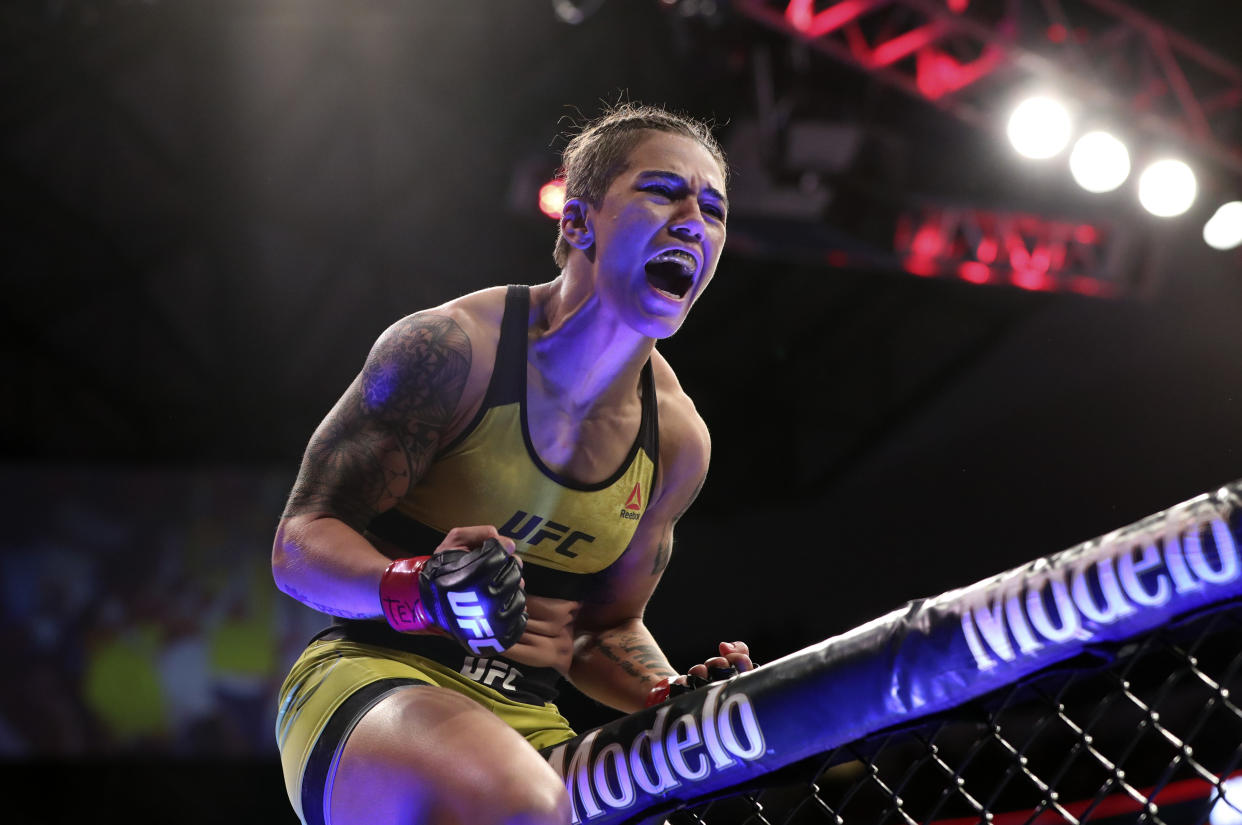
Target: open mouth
(672, 272)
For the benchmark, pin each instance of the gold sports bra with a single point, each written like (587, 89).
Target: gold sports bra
(491, 474)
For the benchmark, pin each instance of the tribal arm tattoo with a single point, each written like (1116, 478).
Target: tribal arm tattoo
(383, 433)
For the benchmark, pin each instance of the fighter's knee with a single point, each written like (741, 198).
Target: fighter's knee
(525, 800)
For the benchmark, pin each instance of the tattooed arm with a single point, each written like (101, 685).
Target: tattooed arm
(378, 439)
(616, 659)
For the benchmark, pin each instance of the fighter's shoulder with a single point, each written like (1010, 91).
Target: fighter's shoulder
(685, 442)
(477, 314)
(453, 345)
(465, 326)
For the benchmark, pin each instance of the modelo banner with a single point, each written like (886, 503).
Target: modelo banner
(929, 656)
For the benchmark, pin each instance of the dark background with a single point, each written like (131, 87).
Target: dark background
(210, 211)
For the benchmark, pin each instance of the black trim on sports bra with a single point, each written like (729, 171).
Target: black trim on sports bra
(510, 365)
(507, 385)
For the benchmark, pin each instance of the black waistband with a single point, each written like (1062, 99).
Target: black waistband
(519, 682)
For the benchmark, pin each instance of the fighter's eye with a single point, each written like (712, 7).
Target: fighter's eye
(714, 210)
(659, 189)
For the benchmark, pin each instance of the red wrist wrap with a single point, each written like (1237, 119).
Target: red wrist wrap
(399, 594)
(660, 692)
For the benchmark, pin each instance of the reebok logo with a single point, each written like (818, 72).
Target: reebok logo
(633, 508)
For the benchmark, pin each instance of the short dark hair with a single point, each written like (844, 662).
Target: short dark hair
(598, 152)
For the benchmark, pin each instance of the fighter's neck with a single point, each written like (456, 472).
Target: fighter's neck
(583, 353)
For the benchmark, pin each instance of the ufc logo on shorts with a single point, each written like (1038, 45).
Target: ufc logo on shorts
(489, 672)
(469, 614)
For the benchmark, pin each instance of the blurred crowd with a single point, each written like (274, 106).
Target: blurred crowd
(139, 612)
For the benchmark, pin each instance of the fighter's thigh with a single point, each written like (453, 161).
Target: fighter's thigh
(429, 755)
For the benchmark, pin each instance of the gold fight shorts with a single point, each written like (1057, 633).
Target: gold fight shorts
(335, 681)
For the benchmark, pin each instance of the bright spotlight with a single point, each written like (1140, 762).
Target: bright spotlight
(1224, 229)
(552, 198)
(1228, 808)
(1099, 162)
(1167, 188)
(1039, 127)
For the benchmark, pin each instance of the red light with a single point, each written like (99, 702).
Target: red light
(1031, 279)
(1084, 286)
(904, 45)
(1040, 258)
(1058, 257)
(986, 250)
(802, 16)
(552, 198)
(919, 265)
(1019, 258)
(1057, 33)
(837, 258)
(974, 272)
(937, 74)
(1086, 233)
(931, 75)
(958, 6)
(927, 241)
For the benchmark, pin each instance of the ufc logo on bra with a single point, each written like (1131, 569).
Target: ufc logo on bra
(517, 529)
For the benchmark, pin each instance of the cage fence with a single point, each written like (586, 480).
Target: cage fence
(1149, 732)
(1097, 684)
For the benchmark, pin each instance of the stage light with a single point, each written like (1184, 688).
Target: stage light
(552, 198)
(1099, 162)
(1167, 188)
(1227, 809)
(1224, 229)
(1039, 127)
(974, 272)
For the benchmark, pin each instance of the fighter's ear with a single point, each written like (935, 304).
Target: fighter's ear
(576, 224)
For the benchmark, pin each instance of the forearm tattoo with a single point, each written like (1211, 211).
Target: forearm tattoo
(635, 653)
(382, 435)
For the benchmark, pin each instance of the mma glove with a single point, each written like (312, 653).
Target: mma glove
(667, 689)
(475, 596)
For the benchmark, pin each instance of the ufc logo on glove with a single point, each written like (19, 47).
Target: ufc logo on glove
(475, 596)
(470, 617)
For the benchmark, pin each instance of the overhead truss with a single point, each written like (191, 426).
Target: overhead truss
(960, 54)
